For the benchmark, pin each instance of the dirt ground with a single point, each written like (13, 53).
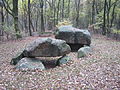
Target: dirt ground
(99, 71)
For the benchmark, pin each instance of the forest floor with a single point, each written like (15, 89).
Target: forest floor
(99, 71)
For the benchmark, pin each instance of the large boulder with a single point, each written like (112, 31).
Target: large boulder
(84, 51)
(73, 35)
(47, 47)
(30, 63)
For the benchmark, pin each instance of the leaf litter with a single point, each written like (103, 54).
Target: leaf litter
(100, 71)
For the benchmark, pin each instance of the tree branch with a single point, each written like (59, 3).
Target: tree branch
(8, 5)
(6, 8)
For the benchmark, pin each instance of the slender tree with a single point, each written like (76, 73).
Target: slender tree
(104, 18)
(2, 18)
(29, 18)
(113, 14)
(93, 11)
(14, 13)
(42, 16)
(68, 8)
(63, 1)
(78, 12)
(54, 11)
(58, 6)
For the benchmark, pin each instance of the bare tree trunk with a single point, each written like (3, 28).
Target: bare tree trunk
(7, 18)
(63, 1)
(93, 12)
(42, 16)
(14, 13)
(36, 24)
(31, 24)
(15, 16)
(104, 18)
(78, 11)
(54, 13)
(2, 24)
(108, 16)
(58, 6)
(68, 8)
(113, 13)
(29, 18)
(45, 13)
(2, 18)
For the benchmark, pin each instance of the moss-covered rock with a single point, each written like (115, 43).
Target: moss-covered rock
(82, 52)
(30, 64)
(63, 60)
(47, 47)
(73, 35)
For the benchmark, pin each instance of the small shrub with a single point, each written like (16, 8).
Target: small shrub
(65, 22)
(9, 29)
(18, 35)
(116, 31)
(97, 26)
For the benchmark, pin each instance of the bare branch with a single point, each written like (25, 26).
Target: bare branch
(6, 7)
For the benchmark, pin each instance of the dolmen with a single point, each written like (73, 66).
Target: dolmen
(41, 47)
(78, 39)
(73, 36)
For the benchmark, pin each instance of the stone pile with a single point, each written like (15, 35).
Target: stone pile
(78, 39)
(41, 47)
(67, 38)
